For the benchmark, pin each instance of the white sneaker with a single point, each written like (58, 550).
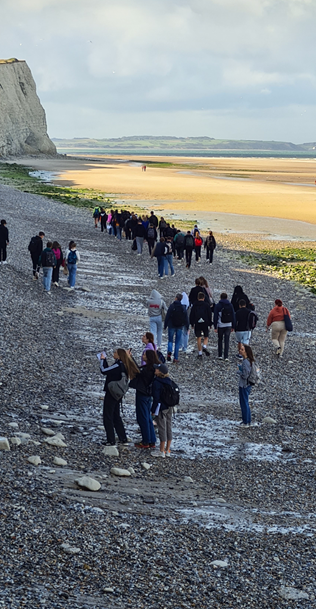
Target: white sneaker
(159, 453)
(168, 453)
(4, 262)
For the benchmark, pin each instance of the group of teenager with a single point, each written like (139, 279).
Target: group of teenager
(51, 260)
(165, 242)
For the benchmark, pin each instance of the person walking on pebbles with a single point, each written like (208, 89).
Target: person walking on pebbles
(48, 262)
(72, 258)
(277, 322)
(162, 410)
(35, 248)
(4, 241)
(247, 372)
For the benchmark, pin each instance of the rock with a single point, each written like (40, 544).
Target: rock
(43, 407)
(188, 479)
(111, 451)
(292, 594)
(56, 442)
(88, 483)
(131, 470)
(59, 435)
(59, 461)
(69, 549)
(268, 420)
(47, 431)
(108, 590)
(16, 441)
(101, 427)
(24, 436)
(146, 465)
(85, 289)
(219, 563)
(117, 471)
(220, 500)
(15, 425)
(35, 442)
(4, 444)
(35, 460)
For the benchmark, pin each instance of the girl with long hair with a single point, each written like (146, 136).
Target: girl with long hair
(59, 260)
(123, 364)
(244, 386)
(143, 385)
(148, 341)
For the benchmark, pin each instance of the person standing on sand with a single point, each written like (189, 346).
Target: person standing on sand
(35, 248)
(210, 245)
(189, 247)
(72, 258)
(276, 322)
(4, 241)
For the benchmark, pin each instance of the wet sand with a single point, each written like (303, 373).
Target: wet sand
(275, 197)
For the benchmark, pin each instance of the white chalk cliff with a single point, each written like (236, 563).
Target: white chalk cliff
(23, 128)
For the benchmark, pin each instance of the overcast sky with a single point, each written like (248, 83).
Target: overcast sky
(241, 69)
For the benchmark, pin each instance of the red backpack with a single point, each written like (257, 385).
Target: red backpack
(198, 241)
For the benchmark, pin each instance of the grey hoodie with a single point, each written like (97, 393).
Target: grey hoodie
(156, 304)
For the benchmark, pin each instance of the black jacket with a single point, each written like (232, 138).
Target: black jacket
(113, 373)
(48, 258)
(177, 316)
(194, 294)
(143, 381)
(160, 249)
(4, 235)
(236, 297)
(210, 242)
(140, 231)
(201, 310)
(153, 220)
(189, 242)
(242, 319)
(36, 246)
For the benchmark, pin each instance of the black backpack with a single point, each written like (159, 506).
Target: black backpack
(252, 320)
(178, 317)
(180, 240)
(48, 259)
(189, 242)
(151, 233)
(32, 245)
(227, 315)
(170, 395)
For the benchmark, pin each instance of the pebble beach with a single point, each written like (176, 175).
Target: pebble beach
(229, 520)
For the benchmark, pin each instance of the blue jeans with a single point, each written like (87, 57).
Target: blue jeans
(72, 268)
(119, 233)
(184, 338)
(177, 333)
(169, 261)
(144, 420)
(243, 337)
(139, 243)
(244, 404)
(47, 277)
(161, 265)
(155, 324)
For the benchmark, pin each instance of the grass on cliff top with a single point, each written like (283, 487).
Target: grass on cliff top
(283, 259)
(18, 176)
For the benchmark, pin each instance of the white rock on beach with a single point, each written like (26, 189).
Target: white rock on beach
(15, 441)
(219, 563)
(146, 465)
(43, 406)
(47, 431)
(117, 471)
(69, 549)
(89, 483)
(59, 461)
(35, 460)
(131, 470)
(15, 425)
(111, 451)
(4, 444)
(292, 594)
(268, 420)
(56, 442)
(188, 479)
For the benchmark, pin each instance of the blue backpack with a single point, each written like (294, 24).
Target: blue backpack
(72, 257)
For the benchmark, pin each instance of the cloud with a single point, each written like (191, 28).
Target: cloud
(166, 59)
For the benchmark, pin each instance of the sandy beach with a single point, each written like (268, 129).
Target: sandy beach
(240, 195)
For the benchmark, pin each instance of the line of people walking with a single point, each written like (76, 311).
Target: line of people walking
(51, 259)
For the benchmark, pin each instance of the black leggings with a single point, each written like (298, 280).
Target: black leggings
(112, 419)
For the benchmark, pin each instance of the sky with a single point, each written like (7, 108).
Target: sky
(237, 69)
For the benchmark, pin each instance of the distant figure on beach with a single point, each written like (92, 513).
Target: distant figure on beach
(96, 216)
(248, 376)
(48, 262)
(143, 167)
(4, 241)
(276, 321)
(35, 248)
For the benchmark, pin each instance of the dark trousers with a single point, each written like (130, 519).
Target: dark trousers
(209, 255)
(103, 224)
(223, 333)
(112, 419)
(180, 252)
(151, 244)
(36, 266)
(3, 253)
(55, 277)
(197, 252)
(188, 257)
(144, 420)
(128, 233)
(244, 404)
